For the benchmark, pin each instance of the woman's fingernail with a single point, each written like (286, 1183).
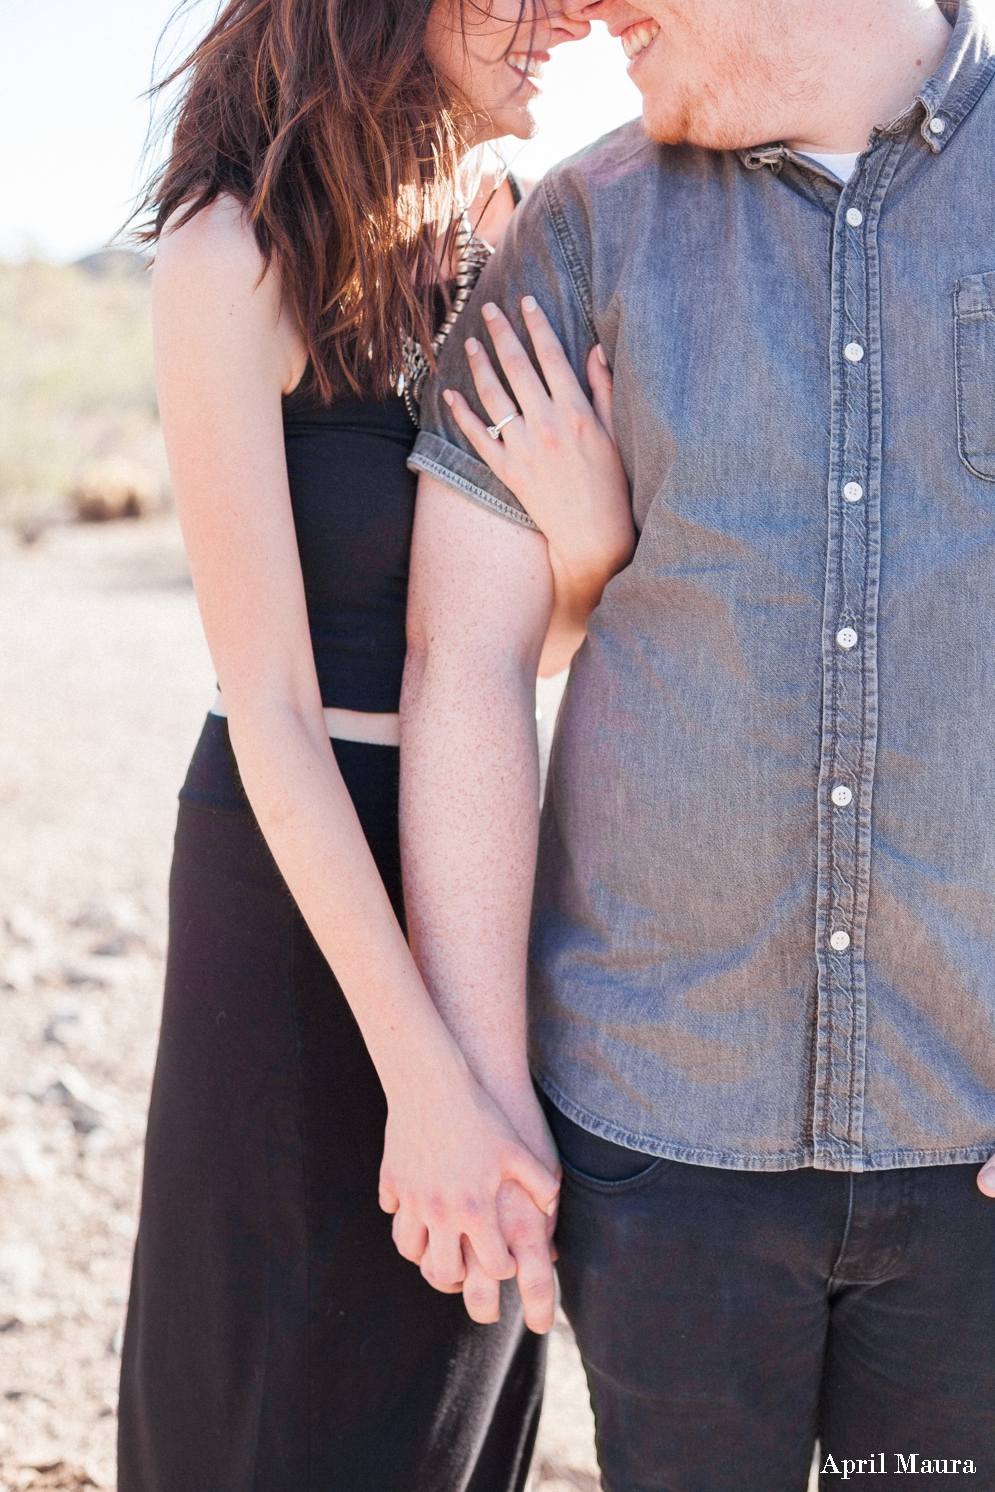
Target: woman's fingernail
(489, 311)
(447, 394)
(552, 1207)
(529, 303)
(472, 345)
(602, 356)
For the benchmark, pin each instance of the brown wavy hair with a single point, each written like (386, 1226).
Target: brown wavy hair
(327, 122)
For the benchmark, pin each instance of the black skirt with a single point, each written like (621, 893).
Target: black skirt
(276, 1341)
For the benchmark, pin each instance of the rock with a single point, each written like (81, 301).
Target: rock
(114, 488)
(18, 971)
(16, 1481)
(78, 1088)
(59, 1475)
(60, 1027)
(84, 973)
(38, 1086)
(100, 970)
(27, 1313)
(22, 1158)
(98, 1139)
(117, 917)
(95, 915)
(88, 1108)
(125, 1226)
(116, 947)
(74, 1025)
(35, 952)
(21, 1266)
(26, 926)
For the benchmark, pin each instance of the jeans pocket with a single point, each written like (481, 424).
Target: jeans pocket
(593, 1161)
(615, 1187)
(974, 354)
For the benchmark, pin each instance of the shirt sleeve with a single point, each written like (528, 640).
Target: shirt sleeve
(543, 253)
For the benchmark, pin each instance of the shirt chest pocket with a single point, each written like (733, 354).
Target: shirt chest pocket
(974, 347)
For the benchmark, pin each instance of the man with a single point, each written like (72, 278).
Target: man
(763, 953)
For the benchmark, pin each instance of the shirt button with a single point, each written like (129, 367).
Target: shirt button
(853, 492)
(839, 942)
(937, 125)
(853, 352)
(842, 796)
(854, 217)
(847, 638)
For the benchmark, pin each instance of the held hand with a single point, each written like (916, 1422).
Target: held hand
(527, 1231)
(986, 1178)
(557, 454)
(451, 1161)
(528, 1235)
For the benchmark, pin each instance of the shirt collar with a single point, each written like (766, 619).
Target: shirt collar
(945, 99)
(965, 72)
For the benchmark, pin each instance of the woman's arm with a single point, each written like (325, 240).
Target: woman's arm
(558, 456)
(225, 353)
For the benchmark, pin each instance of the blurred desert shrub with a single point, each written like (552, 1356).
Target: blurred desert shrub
(76, 385)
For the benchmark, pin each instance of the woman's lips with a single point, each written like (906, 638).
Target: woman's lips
(528, 66)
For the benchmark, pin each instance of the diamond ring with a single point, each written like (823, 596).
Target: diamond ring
(494, 431)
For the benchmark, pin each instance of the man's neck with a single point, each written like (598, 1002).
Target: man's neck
(873, 74)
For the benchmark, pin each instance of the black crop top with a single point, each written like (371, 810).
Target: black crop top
(353, 500)
(354, 503)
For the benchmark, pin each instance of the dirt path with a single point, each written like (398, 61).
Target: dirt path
(104, 680)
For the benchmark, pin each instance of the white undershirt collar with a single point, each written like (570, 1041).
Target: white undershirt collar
(841, 166)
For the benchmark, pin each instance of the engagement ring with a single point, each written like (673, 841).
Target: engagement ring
(494, 431)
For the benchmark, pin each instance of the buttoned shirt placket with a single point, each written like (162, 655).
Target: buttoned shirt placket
(849, 652)
(849, 662)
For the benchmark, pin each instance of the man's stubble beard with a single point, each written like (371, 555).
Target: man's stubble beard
(705, 121)
(742, 100)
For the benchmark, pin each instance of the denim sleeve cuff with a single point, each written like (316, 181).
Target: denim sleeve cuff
(464, 473)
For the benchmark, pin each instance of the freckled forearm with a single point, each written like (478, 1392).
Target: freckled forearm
(479, 606)
(469, 821)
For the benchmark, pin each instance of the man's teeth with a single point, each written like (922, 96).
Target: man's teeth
(638, 38)
(523, 63)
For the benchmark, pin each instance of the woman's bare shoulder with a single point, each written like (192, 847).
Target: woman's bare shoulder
(210, 280)
(218, 240)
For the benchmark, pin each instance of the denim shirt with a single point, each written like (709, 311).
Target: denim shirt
(764, 930)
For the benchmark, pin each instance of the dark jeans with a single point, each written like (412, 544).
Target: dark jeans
(727, 1319)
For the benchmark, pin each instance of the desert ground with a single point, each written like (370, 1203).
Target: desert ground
(104, 681)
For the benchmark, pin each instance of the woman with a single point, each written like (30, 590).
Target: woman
(276, 1340)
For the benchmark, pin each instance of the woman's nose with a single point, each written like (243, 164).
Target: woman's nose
(571, 23)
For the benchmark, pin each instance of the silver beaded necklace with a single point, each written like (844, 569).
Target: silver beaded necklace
(471, 254)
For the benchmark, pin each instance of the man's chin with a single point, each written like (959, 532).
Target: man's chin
(688, 127)
(705, 139)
